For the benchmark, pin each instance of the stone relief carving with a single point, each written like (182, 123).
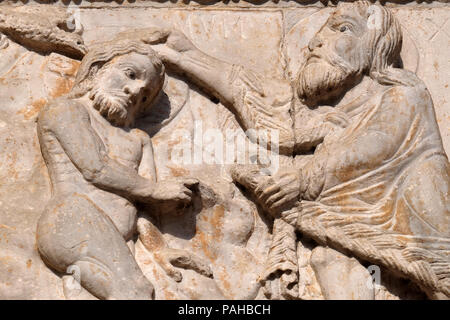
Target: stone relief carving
(42, 30)
(361, 181)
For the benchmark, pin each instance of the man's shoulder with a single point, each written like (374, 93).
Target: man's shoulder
(408, 96)
(409, 92)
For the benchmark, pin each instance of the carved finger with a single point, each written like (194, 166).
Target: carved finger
(167, 55)
(288, 180)
(259, 189)
(269, 192)
(156, 35)
(184, 198)
(188, 192)
(165, 264)
(286, 199)
(337, 119)
(274, 198)
(190, 183)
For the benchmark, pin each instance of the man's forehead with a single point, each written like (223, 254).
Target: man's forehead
(352, 12)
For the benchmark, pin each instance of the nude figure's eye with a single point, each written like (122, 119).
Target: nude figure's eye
(130, 74)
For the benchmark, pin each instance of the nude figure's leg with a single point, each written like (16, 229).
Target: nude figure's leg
(341, 277)
(74, 235)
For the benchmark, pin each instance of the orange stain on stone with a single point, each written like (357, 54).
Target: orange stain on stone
(226, 284)
(206, 240)
(203, 240)
(178, 172)
(33, 109)
(217, 220)
(402, 218)
(72, 71)
(63, 86)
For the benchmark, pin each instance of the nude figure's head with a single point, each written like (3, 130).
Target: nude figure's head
(358, 39)
(122, 78)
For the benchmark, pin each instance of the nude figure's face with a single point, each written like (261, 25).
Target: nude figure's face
(123, 86)
(335, 57)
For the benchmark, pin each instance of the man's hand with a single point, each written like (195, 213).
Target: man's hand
(179, 42)
(172, 45)
(339, 119)
(278, 192)
(150, 35)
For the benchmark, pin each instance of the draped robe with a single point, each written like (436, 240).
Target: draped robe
(378, 188)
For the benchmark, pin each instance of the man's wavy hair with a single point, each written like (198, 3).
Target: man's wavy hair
(101, 54)
(384, 43)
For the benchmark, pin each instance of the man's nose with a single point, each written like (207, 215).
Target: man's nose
(315, 42)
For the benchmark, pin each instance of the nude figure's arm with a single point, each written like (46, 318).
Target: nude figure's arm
(69, 122)
(147, 167)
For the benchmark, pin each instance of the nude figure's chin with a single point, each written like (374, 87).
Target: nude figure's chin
(116, 114)
(113, 108)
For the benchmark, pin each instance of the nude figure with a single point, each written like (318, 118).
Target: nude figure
(100, 166)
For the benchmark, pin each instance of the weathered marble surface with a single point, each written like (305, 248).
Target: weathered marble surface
(223, 226)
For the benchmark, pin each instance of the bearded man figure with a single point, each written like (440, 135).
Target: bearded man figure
(100, 166)
(370, 178)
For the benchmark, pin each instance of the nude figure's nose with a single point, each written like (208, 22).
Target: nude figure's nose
(133, 89)
(315, 42)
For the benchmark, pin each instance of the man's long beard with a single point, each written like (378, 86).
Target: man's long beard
(111, 104)
(321, 80)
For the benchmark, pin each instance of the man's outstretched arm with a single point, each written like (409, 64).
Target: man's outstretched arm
(211, 74)
(259, 103)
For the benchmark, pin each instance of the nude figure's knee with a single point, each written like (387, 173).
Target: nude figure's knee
(74, 233)
(339, 276)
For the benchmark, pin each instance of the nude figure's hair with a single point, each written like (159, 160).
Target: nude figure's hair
(101, 54)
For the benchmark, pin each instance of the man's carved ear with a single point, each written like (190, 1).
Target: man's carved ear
(374, 17)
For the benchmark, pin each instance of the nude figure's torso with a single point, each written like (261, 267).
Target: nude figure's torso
(122, 146)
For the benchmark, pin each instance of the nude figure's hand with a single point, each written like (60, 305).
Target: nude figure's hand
(170, 193)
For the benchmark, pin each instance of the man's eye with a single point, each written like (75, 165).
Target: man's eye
(344, 28)
(131, 74)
